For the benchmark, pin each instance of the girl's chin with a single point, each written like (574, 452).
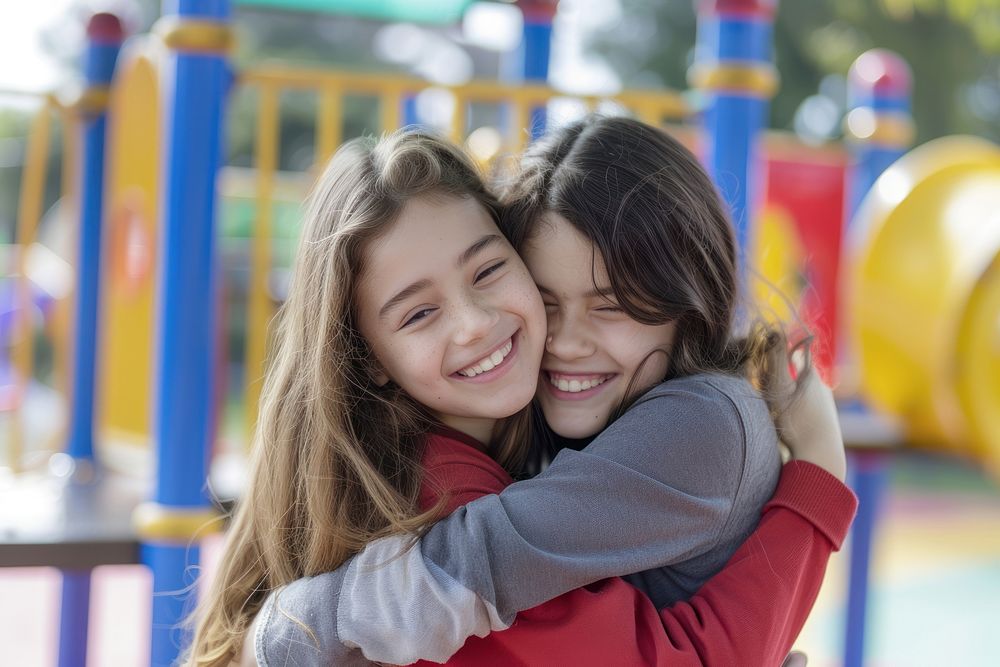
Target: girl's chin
(576, 428)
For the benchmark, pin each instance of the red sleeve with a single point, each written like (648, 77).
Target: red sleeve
(752, 611)
(749, 613)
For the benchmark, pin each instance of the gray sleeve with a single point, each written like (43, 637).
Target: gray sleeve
(654, 488)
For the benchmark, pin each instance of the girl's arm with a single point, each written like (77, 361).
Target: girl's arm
(423, 609)
(656, 487)
(750, 613)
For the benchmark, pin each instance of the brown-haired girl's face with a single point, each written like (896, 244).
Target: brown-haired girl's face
(594, 353)
(451, 313)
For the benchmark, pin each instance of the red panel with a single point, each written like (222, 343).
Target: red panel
(809, 186)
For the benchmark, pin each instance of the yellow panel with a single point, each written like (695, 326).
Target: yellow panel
(921, 240)
(778, 259)
(129, 263)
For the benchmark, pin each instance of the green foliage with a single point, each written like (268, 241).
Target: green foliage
(953, 47)
(14, 127)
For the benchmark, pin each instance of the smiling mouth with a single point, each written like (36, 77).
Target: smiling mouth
(576, 383)
(490, 362)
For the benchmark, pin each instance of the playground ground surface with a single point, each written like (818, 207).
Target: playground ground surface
(935, 599)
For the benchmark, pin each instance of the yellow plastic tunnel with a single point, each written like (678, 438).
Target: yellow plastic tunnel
(923, 295)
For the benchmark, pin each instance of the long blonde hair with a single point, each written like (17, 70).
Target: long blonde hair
(335, 461)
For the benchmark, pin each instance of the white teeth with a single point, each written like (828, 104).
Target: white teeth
(489, 363)
(576, 386)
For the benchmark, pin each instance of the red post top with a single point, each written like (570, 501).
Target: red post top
(538, 11)
(105, 28)
(758, 9)
(882, 72)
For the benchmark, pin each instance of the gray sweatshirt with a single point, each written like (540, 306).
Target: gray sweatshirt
(668, 491)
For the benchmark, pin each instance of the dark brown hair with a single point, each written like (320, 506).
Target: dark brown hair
(664, 234)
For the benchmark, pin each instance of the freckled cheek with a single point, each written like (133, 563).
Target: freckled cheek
(418, 364)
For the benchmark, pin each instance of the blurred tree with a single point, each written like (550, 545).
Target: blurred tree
(953, 47)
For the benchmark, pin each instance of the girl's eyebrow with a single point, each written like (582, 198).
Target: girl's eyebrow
(463, 259)
(472, 250)
(403, 295)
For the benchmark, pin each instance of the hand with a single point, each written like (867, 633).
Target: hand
(807, 422)
(795, 659)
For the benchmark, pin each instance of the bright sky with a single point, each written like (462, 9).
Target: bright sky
(25, 66)
(23, 63)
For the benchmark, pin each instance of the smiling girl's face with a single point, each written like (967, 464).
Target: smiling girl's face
(452, 315)
(596, 356)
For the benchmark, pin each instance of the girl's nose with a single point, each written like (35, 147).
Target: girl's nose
(567, 340)
(475, 321)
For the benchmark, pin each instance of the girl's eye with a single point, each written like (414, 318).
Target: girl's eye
(417, 316)
(489, 271)
(609, 309)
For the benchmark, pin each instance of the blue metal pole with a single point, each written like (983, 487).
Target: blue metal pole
(880, 129)
(879, 125)
(868, 477)
(104, 34)
(104, 39)
(529, 62)
(733, 67)
(197, 77)
(74, 622)
(410, 115)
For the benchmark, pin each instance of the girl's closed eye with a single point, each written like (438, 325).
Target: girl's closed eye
(489, 271)
(418, 316)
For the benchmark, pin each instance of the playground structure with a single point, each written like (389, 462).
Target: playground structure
(920, 253)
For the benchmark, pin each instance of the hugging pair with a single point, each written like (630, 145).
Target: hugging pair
(428, 329)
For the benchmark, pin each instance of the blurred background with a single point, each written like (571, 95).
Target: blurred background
(905, 304)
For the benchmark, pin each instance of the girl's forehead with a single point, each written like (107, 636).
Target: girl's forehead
(554, 235)
(560, 255)
(431, 219)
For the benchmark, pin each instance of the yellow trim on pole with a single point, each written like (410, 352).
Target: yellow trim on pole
(91, 101)
(750, 78)
(193, 36)
(62, 318)
(522, 118)
(259, 302)
(328, 124)
(458, 119)
(28, 215)
(154, 522)
(892, 130)
(649, 114)
(670, 104)
(390, 114)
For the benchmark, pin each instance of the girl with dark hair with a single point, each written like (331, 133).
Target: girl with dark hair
(637, 268)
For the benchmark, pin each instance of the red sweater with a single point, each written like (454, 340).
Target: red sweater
(748, 614)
